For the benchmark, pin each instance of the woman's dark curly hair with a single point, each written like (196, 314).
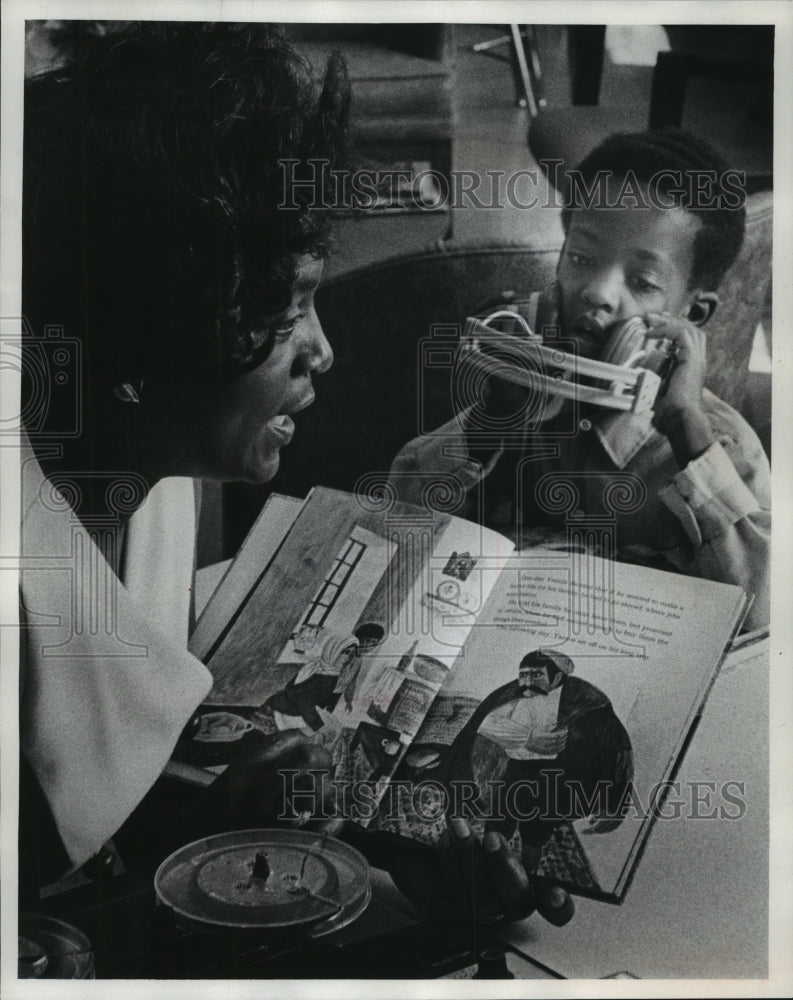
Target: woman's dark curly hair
(152, 184)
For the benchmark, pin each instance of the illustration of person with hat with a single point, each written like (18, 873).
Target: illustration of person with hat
(553, 747)
(316, 685)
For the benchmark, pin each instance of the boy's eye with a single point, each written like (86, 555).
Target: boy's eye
(644, 284)
(579, 259)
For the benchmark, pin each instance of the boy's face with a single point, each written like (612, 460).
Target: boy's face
(620, 263)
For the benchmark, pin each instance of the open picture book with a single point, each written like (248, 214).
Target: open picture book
(547, 694)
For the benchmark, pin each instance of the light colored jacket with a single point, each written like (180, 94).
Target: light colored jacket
(107, 684)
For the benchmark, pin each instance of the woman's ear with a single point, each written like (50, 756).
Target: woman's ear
(701, 307)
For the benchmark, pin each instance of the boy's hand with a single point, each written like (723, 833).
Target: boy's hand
(684, 390)
(679, 413)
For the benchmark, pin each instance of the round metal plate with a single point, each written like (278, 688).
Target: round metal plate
(52, 949)
(309, 881)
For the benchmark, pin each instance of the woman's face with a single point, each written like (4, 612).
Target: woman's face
(234, 432)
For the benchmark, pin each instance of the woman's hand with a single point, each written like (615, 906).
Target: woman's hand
(280, 779)
(463, 884)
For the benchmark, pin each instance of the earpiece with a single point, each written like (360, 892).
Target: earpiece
(702, 308)
(626, 342)
(127, 392)
(698, 313)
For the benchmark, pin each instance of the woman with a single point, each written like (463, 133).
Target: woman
(157, 238)
(186, 343)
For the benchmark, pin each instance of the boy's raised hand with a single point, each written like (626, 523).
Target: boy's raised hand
(679, 413)
(684, 390)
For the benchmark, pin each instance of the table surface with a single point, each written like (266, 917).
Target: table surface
(697, 907)
(698, 904)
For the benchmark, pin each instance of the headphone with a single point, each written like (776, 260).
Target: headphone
(634, 366)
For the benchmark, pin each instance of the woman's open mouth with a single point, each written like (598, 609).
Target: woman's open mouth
(281, 428)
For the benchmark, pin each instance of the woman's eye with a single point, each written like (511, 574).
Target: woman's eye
(284, 328)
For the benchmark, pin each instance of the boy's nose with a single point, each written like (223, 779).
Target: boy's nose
(604, 290)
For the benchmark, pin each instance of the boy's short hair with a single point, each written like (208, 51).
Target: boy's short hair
(645, 155)
(151, 190)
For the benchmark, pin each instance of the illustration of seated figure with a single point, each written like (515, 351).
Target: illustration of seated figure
(546, 741)
(317, 684)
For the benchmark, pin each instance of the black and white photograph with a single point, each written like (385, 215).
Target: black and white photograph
(388, 590)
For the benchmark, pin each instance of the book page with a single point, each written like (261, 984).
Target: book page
(271, 527)
(638, 650)
(353, 629)
(390, 587)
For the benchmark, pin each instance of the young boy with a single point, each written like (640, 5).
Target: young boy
(652, 222)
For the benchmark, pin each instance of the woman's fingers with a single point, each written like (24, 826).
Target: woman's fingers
(283, 778)
(494, 883)
(287, 749)
(457, 865)
(509, 877)
(492, 878)
(555, 904)
(470, 893)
